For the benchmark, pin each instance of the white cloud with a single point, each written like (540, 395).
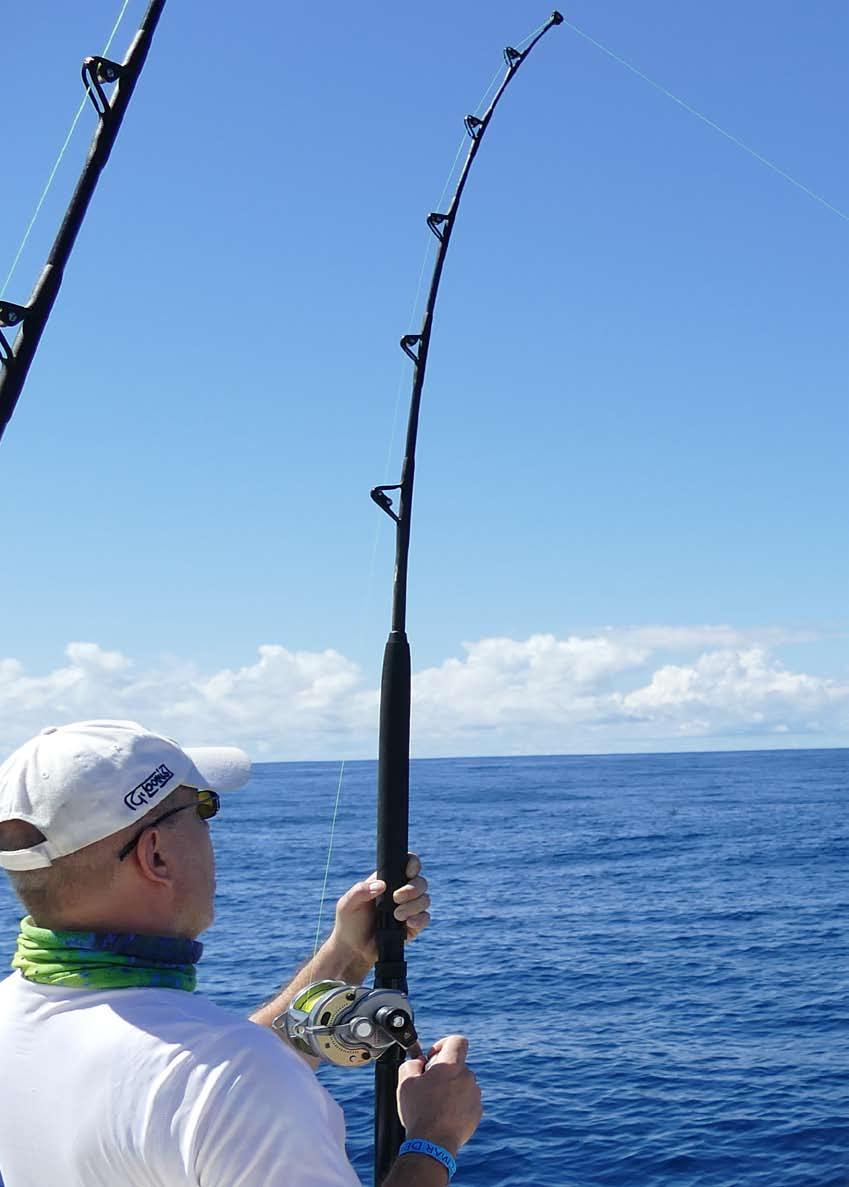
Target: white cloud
(608, 692)
(740, 691)
(617, 689)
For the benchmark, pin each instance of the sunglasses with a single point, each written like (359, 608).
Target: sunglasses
(206, 806)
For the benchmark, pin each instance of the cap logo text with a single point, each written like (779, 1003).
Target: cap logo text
(141, 795)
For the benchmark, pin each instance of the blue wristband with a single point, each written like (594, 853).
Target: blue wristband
(420, 1146)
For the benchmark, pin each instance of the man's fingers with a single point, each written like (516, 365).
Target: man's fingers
(362, 892)
(414, 886)
(410, 1069)
(413, 902)
(417, 924)
(408, 910)
(413, 889)
(451, 1049)
(412, 898)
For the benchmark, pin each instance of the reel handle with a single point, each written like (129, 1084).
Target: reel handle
(397, 1025)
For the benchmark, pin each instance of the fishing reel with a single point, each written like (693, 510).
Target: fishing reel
(346, 1024)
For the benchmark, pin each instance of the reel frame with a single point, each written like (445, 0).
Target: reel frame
(347, 1025)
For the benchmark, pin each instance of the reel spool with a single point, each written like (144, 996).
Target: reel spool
(346, 1024)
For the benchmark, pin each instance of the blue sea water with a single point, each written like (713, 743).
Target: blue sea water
(648, 953)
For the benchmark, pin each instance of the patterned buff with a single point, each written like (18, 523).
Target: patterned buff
(105, 960)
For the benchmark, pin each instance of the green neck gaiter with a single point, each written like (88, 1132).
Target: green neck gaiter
(105, 960)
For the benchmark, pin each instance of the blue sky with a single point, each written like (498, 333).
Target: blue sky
(630, 522)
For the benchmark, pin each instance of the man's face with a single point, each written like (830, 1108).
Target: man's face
(195, 867)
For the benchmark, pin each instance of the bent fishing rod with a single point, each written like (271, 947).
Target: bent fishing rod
(28, 321)
(393, 777)
(352, 1025)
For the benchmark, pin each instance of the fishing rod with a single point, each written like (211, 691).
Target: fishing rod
(29, 320)
(393, 779)
(352, 1025)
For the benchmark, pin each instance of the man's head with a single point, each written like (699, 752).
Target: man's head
(103, 824)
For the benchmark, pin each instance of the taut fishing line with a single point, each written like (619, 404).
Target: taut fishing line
(59, 158)
(711, 124)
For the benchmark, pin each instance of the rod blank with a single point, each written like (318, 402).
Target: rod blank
(393, 774)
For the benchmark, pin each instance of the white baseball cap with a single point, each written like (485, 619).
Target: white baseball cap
(82, 782)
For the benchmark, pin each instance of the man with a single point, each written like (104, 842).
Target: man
(114, 1073)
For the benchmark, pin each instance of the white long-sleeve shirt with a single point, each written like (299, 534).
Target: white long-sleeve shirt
(156, 1088)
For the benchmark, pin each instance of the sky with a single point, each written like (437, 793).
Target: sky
(629, 530)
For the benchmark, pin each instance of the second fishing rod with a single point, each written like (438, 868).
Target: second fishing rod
(28, 321)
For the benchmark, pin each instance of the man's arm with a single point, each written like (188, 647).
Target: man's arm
(416, 1170)
(350, 951)
(334, 961)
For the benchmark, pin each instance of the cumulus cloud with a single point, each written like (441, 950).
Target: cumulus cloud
(609, 692)
(645, 688)
(738, 691)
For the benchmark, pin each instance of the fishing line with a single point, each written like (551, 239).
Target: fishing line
(327, 863)
(58, 161)
(430, 247)
(464, 140)
(710, 123)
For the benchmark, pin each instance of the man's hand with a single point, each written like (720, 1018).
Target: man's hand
(354, 927)
(351, 950)
(439, 1099)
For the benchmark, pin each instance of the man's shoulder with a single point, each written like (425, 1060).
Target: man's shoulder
(196, 1090)
(192, 1021)
(167, 1025)
(10, 983)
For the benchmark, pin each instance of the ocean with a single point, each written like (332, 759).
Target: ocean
(648, 953)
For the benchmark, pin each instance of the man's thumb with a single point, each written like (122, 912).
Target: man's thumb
(451, 1049)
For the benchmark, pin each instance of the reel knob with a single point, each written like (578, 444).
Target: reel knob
(398, 1025)
(362, 1028)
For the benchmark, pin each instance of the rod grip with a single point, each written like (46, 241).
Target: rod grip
(393, 797)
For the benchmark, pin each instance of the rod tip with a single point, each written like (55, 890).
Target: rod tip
(556, 18)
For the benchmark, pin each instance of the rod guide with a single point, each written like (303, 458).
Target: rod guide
(95, 72)
(435, 221)
(11, 314)
(473, 126)
(411, 340)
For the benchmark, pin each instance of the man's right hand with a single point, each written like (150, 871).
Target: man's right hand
(439, 1100)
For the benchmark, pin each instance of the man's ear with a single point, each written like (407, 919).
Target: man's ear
(151, 858)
